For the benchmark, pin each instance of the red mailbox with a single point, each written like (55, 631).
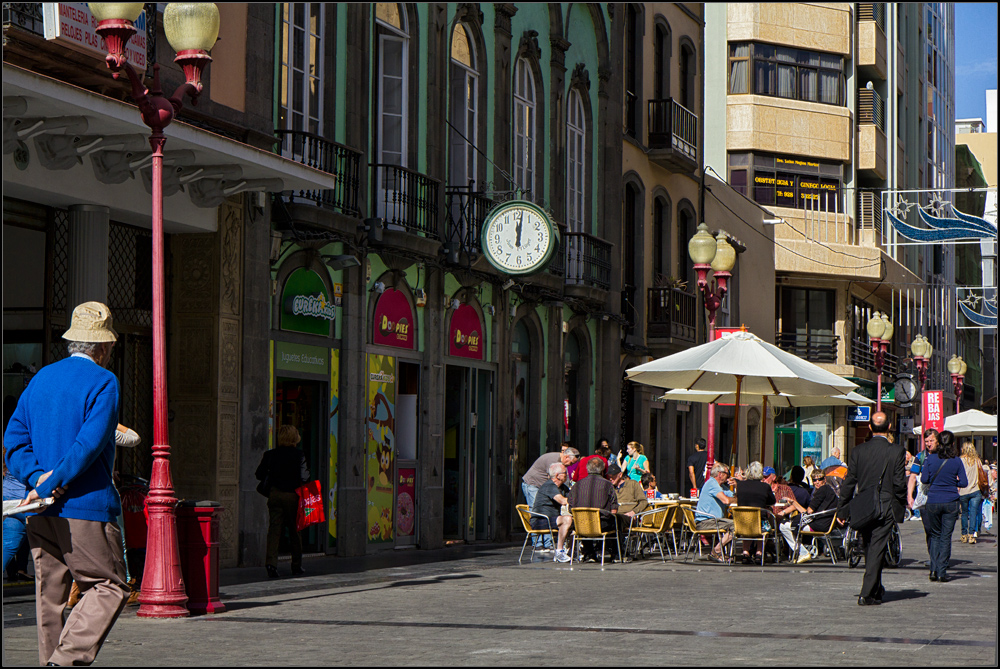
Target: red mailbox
(198, 540)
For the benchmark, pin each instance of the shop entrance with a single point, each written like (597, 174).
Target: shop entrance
(468, 454)
(301, 403)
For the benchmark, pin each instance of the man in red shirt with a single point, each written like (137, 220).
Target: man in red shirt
(602, 453)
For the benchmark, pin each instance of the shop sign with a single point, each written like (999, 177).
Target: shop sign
(301, 358)
(381, 447)
(394, 324)
(868, 389)
(933, 410)
(72, 25)
(406, 491)
(859, 414)
(306, 305)
(465, 337)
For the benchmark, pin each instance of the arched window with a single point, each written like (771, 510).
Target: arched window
(576, 152)
(661, 238)
(392, 91)
(661, 61)
(300, 103)
(462, 111)
(685, 230)
(524, 126)
(689, 67)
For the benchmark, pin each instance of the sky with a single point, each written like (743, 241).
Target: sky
(975, 57)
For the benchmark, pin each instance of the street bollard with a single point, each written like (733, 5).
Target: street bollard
(198, 539)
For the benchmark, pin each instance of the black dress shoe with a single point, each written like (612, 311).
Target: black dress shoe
(868, 601)
(933, 576)
(944, 578)
(272, 571)
(879, 593)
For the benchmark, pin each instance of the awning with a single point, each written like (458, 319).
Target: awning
(105, 165)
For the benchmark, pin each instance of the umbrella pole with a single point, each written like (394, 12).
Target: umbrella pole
(763, 428)
(736, 423)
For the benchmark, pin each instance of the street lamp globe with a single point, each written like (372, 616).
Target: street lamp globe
(191, 26)
(928, 349)
(889, 328)
(115, 11)
(876, 326)
(955, 365)
(965, 367)
(702, 246)
(918, 349)
(725, 254)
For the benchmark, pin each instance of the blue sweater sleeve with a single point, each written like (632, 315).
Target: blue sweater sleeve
(21, 461)
(91, 440)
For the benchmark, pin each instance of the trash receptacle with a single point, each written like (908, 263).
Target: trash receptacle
(198, 540)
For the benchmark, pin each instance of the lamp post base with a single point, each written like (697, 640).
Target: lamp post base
(163, 594)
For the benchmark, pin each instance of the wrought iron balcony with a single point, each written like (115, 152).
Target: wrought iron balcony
(588, 260)
(405, 199)
(673, 134)
(337, 160)
(862, 356)
(672, 313)
(467, 211)
(809, 346)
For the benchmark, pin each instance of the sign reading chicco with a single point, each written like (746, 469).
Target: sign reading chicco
(465, 337)
(394, 324)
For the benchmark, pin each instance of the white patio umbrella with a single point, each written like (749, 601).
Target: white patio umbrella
(740, 362)
(971, 423)
(850, 399)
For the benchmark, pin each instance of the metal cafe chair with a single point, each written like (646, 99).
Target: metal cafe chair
(748, 526)
(691, 532)
(525, 514)
(832, 533)
(587, 527)
(650, 525)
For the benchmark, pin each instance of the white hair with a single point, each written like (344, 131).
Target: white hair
(717, 468)
(755, 471)
(556, 468)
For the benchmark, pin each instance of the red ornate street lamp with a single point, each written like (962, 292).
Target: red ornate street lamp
(880, 331)
(192, 29)
(921, 351)
(957, 368)
(718, 255)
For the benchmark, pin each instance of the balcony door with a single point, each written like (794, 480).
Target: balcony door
(300, 97)
(391, 105)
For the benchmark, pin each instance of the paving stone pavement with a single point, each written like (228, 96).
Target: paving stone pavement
(474, 605)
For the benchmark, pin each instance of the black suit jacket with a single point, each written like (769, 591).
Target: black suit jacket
(864, 469)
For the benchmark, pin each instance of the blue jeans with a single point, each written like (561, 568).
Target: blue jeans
(939, 524)
(14, 531)
(530, 491)
(972, 512)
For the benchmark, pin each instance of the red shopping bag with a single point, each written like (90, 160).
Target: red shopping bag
(310, 506)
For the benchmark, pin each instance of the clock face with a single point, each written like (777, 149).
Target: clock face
(518, 238)
(906, 389)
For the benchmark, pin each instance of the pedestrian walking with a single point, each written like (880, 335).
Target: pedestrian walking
(971, 497)
(281, 471)
(875, 473)
(60, 442)
(945, 474)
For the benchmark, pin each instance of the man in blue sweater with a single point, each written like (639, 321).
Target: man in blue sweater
(60, 443)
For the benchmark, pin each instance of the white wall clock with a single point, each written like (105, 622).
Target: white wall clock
(519, 238)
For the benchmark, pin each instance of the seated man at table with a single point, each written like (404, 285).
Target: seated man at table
(631, 497)
(595, 491)
(648, 482)
(548, 502)
(712, 501)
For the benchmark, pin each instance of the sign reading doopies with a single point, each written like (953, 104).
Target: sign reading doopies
(465, 336)
(394, 324)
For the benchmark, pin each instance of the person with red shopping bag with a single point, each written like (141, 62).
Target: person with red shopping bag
(281, 472)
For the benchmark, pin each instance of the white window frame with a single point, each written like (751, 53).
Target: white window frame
(309, 71)
(576, 162)
(470, 120)
(394, 34)
(525, 106)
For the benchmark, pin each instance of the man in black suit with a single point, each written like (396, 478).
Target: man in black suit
(867, 462)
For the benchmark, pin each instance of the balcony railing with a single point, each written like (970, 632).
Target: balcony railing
(405, 199)
(467, 211)
(557, 266)
(588, 260)
(809, 346)
(672, 313)
(672, 126)
(872, 11)
(871, 109)
(862, 356)
(337, 160)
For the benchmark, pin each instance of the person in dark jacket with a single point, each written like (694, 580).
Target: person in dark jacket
(946, 474)
(283, 469)
(871, 464)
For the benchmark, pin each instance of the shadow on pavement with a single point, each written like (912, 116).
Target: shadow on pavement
(899, 595)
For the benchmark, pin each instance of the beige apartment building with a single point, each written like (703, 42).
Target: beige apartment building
(663, 201)
(813, 110)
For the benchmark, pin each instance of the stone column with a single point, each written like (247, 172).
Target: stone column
(89, 226)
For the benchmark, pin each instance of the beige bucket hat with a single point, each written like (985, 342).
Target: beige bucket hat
(91, 323)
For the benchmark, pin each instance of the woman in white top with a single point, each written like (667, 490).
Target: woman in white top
(969, 497)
